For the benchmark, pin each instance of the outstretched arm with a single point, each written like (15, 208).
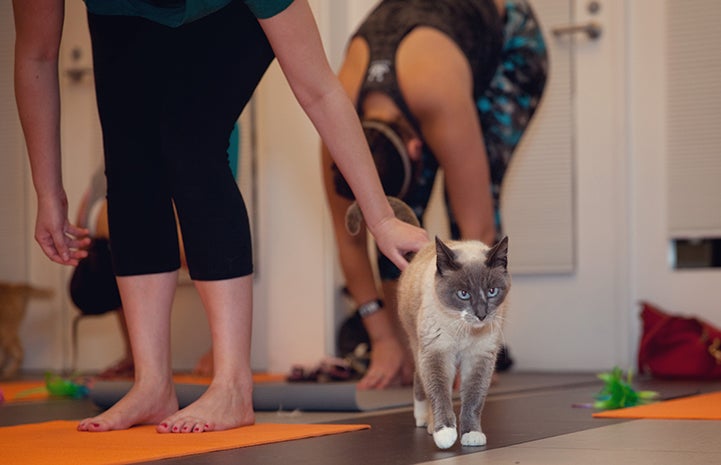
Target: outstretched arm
(295, 40)
(436, 79)
(38, 27)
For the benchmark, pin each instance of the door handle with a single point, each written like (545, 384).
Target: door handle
(592, 30)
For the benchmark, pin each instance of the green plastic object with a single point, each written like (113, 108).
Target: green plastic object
(618, 392)
(62, 387)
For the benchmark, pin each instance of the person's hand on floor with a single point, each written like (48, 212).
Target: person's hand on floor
(389, 365)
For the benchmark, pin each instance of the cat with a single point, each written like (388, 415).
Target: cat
(452, 300)
(13, 303)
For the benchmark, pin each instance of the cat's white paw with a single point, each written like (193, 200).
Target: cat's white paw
(445, 437)
(473, 438)
(420, 412)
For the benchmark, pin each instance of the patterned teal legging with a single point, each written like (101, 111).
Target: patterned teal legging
(505, 110)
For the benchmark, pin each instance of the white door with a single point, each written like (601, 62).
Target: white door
(575, 318)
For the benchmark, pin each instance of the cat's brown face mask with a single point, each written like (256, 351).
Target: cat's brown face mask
(395, 168)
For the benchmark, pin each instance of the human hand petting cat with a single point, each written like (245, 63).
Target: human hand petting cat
(396, 239)
(61, 241)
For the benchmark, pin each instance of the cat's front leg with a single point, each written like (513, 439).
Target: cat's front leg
(437, 373)
(420, 403)
(475, 381)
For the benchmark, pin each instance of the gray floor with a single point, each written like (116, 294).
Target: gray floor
(530, 418)
(642, 442)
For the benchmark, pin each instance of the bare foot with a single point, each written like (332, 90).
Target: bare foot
(142, 405)
(223, 406)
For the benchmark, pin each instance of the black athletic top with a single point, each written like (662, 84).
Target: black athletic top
(474, 25)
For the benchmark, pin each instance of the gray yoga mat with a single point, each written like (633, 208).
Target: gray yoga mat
(325, 397)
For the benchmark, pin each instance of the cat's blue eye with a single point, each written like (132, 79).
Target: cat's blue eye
(492, 292)
(463, 295)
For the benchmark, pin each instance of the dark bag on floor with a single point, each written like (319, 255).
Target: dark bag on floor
(674, 346)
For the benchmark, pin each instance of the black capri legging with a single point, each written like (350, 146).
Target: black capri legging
(168, 99)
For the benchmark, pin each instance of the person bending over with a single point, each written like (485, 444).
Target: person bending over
(445, 85)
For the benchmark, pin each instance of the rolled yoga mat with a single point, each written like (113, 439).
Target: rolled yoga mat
(326, 397)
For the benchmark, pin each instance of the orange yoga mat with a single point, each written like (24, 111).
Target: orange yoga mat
(58, 442)
(699, 407)
(186, 378)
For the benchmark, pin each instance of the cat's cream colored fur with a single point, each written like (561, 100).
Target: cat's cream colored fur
(13, 304)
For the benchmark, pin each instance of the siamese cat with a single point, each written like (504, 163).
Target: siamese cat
(451, 301)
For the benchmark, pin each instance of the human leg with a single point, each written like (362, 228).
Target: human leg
(228, 402)
(221, 59)
(143, 238)
(147, 300)
(175, 109)
(509, 102)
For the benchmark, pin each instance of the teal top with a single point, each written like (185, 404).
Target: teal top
(178, 12)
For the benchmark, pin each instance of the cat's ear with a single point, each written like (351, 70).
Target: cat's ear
(445, 258)
(497, 256)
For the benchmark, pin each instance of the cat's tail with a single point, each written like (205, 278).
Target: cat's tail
(354, 216)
